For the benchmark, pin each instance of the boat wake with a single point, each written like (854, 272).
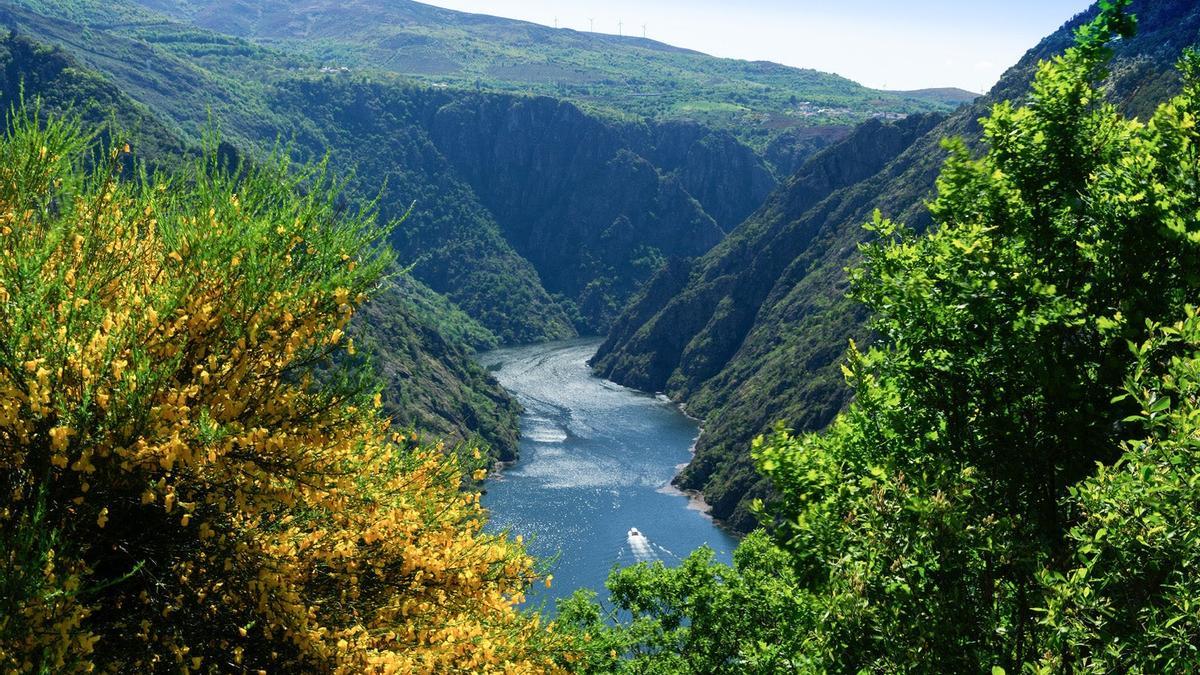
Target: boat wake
(643, 549)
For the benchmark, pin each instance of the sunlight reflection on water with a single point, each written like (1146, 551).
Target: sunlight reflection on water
(595, 461)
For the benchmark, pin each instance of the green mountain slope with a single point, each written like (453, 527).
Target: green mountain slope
(619, 75)
(420, 341)
(766, 319)
(596, 206)
(453, 243)
(536, 218)
(43, 74)
(422, 348)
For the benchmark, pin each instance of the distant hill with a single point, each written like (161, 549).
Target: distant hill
(754, 332)
(947, 95)
(613, 74)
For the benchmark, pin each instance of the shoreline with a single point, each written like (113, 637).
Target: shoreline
(695, 498)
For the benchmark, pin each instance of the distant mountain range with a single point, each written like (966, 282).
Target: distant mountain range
(947, 95)
(609, 74)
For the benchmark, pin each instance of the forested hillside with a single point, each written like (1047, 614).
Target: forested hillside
(753, 333)
(41, 72)
(420, 339)
(422, 348)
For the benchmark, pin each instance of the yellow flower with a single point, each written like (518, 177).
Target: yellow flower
(59, 437)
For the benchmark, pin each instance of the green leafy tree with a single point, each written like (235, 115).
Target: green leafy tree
(949, 519)
(1129, 600)
(928, 511)
(700, 617)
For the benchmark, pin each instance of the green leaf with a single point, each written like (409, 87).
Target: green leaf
(1160, 405)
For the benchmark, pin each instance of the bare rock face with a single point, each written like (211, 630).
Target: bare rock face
(596, 206)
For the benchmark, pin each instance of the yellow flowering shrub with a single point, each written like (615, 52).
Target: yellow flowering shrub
(178, 492)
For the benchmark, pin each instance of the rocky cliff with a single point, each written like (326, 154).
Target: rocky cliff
(596, 206)
(690, 332)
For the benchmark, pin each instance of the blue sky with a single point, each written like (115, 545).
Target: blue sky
(898, 45)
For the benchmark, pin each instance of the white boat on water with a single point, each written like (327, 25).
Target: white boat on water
(640, 546)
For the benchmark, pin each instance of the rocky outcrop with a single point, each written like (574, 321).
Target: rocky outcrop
(376, 135)
(791, 148)
(728, 178)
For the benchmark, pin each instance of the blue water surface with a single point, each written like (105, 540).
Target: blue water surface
(596, 460)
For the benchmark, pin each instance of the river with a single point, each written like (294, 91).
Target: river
(596, 461)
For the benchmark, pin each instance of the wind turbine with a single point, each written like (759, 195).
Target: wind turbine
(620, 28)
(643, 31)
(556, 22)
(591, 25)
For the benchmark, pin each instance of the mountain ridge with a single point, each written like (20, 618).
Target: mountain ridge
(619, 75)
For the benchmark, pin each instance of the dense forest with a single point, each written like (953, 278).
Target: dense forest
(948, 363)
